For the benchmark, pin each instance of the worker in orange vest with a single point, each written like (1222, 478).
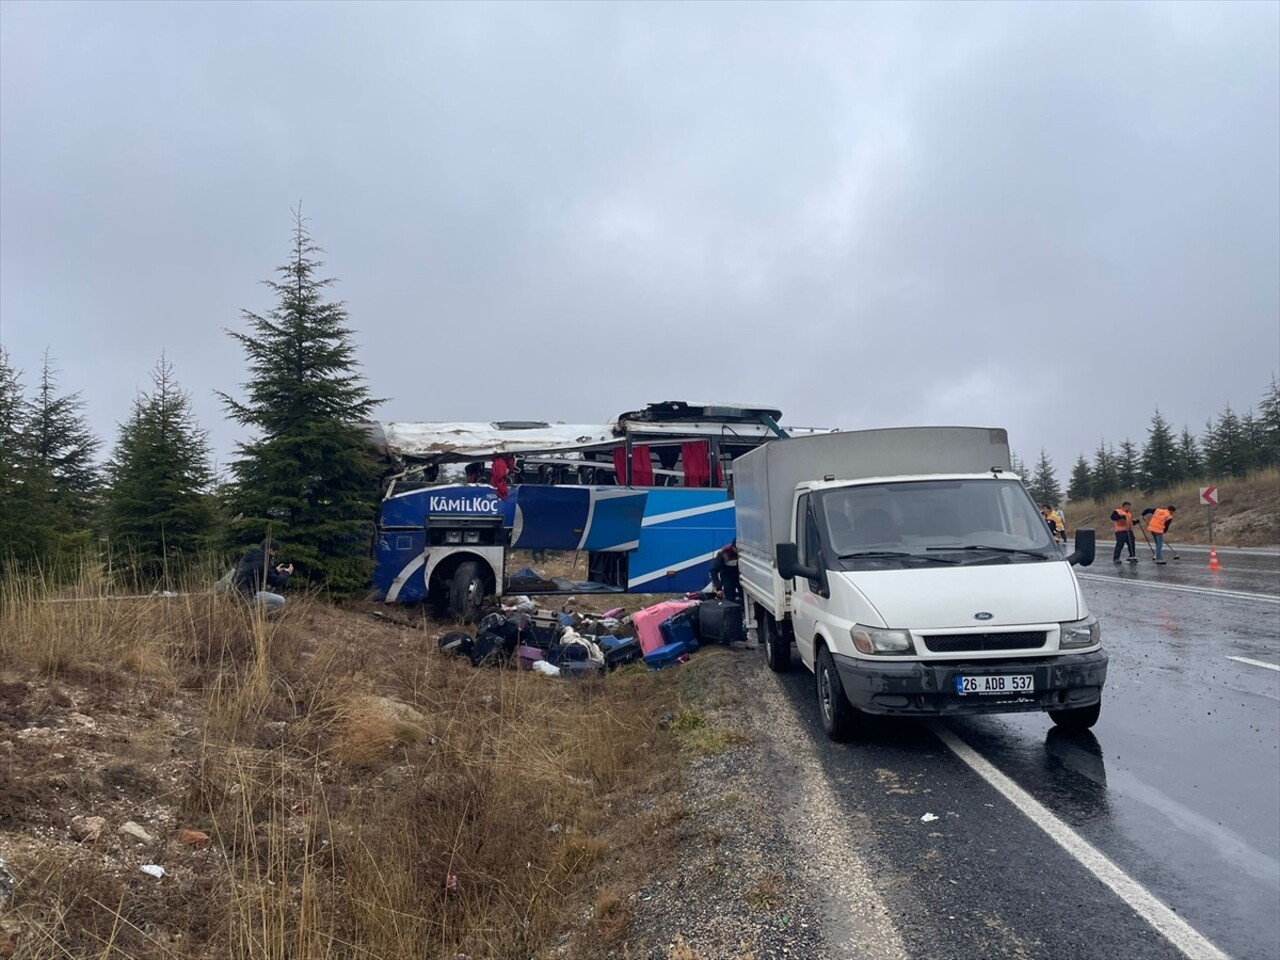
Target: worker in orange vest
(1161, 520)
(1051, 522)
(1060, 522)
(1122, 519)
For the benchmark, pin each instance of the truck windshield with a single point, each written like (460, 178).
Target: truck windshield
(967, 521)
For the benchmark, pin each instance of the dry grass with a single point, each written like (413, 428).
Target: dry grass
(366, 796)
(1248, 514)
(694, 731)
(766, 893)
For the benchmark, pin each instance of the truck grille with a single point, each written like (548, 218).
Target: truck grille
(967, 642)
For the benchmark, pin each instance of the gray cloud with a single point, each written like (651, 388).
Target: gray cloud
(1051, 217)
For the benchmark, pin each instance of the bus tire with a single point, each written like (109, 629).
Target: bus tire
(466, 592)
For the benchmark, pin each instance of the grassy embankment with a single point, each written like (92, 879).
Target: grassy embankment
(1248, 514)
(362, 794)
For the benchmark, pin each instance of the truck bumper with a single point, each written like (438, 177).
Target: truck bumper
(929, 689)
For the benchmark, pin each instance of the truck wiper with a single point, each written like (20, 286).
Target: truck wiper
(893, 555)
(1013, 551)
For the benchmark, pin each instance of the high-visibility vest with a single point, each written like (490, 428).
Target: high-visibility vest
(1060, 520)
(1126, 523)
(1159, 520)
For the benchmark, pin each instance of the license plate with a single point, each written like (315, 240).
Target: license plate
(996, 683)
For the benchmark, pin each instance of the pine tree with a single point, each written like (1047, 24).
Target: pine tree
(1080, 487)
(1161, 465)
(1189, 455)
(63, 477)
(23, 532)
(1226, 452)
(1253, 434)
(309, 476)
(1127, 466)
(1105, 476)
(1269, 421)
(1044, 482)
(1017, 466)
(159, 509)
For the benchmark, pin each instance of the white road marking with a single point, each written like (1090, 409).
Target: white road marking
(1256, 663)
(1144, 903)
(1180, 588)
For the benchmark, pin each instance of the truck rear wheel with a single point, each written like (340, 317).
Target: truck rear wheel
(1077, 718)
(839, 716)
(777, 648)
(466, 592)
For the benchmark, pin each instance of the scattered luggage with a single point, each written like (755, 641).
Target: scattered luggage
(457, 643)
(648, 621)
(665, 656)
(679, 629)
(490, 650)
(619, 651)
(581, 669)
(528, 655)
(547, 642)
(721, 621)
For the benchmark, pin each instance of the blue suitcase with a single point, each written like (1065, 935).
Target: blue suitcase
(668, 655)
(679, 629)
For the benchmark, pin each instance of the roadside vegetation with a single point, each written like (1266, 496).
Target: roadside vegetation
(1237, 453)
(327, 784)
(1248, 514)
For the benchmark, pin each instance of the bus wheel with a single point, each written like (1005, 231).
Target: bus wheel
(466, 592)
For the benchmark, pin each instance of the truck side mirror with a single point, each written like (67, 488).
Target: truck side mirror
(788, 560)
(789, 567)
(1086, 544)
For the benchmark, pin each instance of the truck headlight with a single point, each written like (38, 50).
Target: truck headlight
(1079, 633)
(471, 536)
(872, 640)
(453, 536)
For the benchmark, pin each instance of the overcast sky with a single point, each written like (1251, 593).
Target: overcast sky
(1051, 217)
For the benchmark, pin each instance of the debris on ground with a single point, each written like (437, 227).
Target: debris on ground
(574, 643)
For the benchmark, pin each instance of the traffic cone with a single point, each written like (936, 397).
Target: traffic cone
(1213, 559)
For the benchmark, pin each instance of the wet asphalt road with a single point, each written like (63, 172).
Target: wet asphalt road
(1178, 785)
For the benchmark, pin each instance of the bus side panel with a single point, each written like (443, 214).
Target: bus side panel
(398, 564)
(683, 529)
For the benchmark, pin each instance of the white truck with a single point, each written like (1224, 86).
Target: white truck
(915, 576)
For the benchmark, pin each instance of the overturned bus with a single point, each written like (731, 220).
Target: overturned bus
(647, 497)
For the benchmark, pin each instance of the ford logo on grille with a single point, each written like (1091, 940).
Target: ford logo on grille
(983, 615)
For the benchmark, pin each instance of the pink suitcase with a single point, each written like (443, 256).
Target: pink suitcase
(647, 620)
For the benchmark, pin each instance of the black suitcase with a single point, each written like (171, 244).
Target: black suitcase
(721, 621)
(620, 650)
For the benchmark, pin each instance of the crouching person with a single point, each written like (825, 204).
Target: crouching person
(257, 578)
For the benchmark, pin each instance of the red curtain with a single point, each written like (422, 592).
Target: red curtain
(697, 469)
(641, 465)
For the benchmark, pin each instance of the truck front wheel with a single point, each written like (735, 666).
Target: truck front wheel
(1077, 718)
(777, 648)
(839, 716)
(466, 592)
